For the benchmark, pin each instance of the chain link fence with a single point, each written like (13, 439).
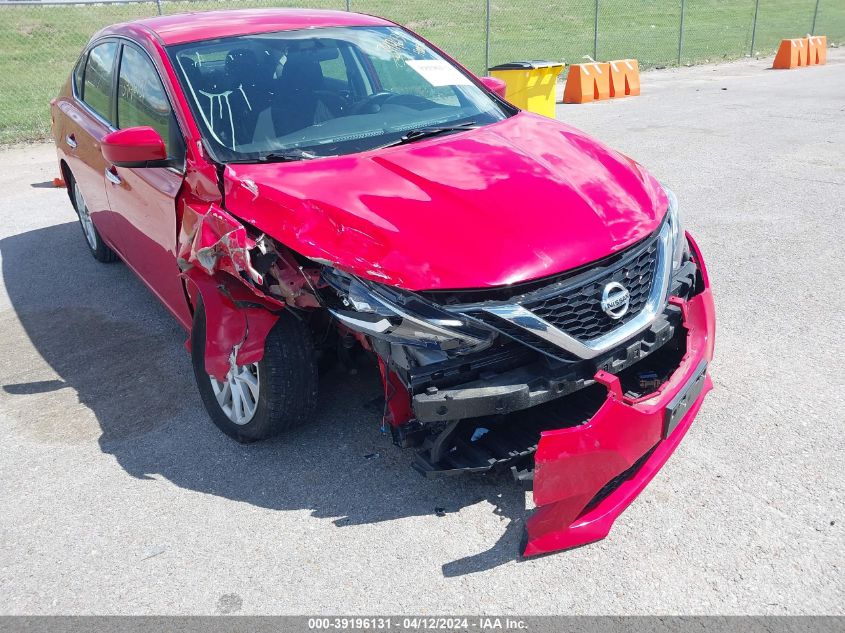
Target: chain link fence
(40, 40)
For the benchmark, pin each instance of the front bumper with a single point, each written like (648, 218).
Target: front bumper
(585, 476)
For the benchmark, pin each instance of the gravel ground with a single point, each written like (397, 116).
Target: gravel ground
(117, 495)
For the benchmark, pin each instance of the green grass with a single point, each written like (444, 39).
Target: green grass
(39, 44)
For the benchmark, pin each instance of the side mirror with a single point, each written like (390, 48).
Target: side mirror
(496, 85)
(135, 147)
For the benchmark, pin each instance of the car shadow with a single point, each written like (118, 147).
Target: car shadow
(88, 334)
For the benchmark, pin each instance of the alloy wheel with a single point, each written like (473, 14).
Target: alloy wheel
(85, 218)
(238, 394)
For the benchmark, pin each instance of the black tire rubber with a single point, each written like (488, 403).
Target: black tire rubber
(287, 378)
(102, 253)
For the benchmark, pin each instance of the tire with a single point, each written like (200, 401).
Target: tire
(286, 381)
(98, 248)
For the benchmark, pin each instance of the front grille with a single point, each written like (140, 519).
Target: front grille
(573, 305)
(577, 310)
(523, 336)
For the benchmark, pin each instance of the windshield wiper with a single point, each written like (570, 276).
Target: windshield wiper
(276, 157)
(425, 132)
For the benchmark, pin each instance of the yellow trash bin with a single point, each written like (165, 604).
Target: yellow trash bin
(530, 84)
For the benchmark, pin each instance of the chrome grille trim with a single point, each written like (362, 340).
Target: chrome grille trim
(527, 320)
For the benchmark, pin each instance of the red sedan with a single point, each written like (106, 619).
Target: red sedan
(302, 186)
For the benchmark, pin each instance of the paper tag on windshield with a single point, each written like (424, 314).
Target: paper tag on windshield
(438, 72)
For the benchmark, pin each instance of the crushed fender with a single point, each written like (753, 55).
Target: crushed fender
(215, 241)
(236, 321)
(243, 282)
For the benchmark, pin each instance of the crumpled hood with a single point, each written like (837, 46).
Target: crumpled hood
(517, 200)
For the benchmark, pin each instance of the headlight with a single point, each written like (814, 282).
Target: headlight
(401, 317)
(679, 240)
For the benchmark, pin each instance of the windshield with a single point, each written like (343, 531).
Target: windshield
(324, 92)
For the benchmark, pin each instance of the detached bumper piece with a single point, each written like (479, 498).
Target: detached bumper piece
(585, 476)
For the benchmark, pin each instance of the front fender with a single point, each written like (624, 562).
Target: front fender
(237, 321)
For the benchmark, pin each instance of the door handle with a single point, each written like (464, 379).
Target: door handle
(112, 177)
(70, 139)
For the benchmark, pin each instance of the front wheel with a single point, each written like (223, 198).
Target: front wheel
(262, 399)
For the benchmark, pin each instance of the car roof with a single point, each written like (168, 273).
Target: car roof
(180, 28)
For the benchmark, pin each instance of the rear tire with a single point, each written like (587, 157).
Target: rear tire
(98, 248)
(286, 392)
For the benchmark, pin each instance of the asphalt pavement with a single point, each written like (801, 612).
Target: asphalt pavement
(117, 495)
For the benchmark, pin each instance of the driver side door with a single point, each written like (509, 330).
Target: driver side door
(143, 199)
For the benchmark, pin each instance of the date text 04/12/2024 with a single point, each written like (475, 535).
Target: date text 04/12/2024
(420, 623)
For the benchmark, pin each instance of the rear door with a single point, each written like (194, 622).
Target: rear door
(88, 119)
(144, 199)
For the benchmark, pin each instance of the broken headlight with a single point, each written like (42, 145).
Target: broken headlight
(679, 240)
(399, 316)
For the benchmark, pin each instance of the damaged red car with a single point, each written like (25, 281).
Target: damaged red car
(297, 186)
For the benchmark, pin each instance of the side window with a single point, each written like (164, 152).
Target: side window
(358, 77)
(141, 99)
(99, 71)
(334, 67)
(78, 74)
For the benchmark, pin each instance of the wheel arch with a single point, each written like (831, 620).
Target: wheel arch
(67, 176)
(237, 322)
